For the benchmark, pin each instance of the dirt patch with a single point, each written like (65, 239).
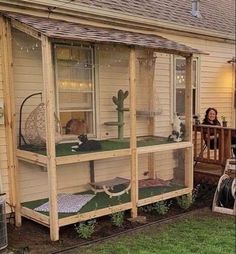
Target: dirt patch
(35, 238)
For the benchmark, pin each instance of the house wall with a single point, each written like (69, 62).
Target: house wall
(215, 87)
(216, 75)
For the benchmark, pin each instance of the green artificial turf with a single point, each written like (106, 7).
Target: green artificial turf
(102, 200)
(107, 145)
(205, 234)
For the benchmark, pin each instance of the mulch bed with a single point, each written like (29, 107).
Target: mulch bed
(35, 238)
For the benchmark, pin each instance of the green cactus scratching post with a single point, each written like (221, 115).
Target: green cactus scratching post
(119, 102)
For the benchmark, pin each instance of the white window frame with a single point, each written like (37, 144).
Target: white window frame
(94, 86)
(197, 88)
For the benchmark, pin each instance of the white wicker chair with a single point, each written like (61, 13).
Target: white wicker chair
(35, 127)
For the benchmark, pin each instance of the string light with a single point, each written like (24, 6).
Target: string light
(23, 47)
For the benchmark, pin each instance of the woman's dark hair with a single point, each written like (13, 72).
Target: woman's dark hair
(206, 115)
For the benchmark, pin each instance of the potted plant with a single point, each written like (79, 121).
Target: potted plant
(196, 119)
(224, 122)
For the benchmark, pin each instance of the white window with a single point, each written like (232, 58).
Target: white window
(75, 88)
(179, 85)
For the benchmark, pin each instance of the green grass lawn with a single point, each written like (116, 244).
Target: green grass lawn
(203, 234)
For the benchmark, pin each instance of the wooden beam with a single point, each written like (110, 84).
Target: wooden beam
(188, 158)
(49, 96)
(164, 147)
(31, 157)
(188, 167)
(62, 160)
(35, 216)
(151, 120)
(188, 99)
(133, 138)
(26, 29)
(164, 196)
(9, 108)
(94, 214)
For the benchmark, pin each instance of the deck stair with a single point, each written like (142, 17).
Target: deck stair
(207, 173)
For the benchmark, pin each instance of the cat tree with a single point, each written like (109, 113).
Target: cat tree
(119, 102)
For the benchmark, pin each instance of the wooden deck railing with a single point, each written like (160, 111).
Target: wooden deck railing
(212, 144)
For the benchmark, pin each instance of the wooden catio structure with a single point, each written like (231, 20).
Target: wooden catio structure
(54, 52)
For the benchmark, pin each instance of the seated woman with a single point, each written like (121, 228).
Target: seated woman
(211, 119)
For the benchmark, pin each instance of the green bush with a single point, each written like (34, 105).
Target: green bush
(85, 229)
(147, 208)
(118, 219)
(185, 201)
(161, 207)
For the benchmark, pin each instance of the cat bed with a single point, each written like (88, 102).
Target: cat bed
(67, 203)
(108, 185)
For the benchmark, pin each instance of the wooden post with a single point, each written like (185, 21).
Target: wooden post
(49, 97)
(188, 99)
(133, 139)
(188, 122)
(9, 112)
(151, 92)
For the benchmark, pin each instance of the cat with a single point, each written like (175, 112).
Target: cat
(87, 145)
(178, 132)
(76, 126)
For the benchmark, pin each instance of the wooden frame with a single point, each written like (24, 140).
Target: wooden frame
(50, 130)
(50, 161)
(8, 92)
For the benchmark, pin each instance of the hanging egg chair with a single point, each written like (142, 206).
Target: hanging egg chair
(35, 127)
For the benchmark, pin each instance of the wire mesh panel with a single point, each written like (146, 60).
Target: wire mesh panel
(3, 224)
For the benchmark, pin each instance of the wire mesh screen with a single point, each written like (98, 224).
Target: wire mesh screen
(3, 224)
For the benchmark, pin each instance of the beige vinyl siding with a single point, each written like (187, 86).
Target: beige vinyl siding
(111, 61)
(163, 94)
(27, 76)
(216, 78)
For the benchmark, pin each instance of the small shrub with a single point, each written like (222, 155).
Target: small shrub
(195, 193)
(185, 201)
(146, 208)
(85, 229)
(161, 207)
(118, 219)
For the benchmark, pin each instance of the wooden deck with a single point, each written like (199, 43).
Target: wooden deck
(207, 173)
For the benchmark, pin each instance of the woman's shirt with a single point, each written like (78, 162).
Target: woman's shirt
(215, 123)
(207, 122)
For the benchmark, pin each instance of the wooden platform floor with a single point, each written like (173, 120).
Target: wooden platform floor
(102, 200)
(207, 173)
